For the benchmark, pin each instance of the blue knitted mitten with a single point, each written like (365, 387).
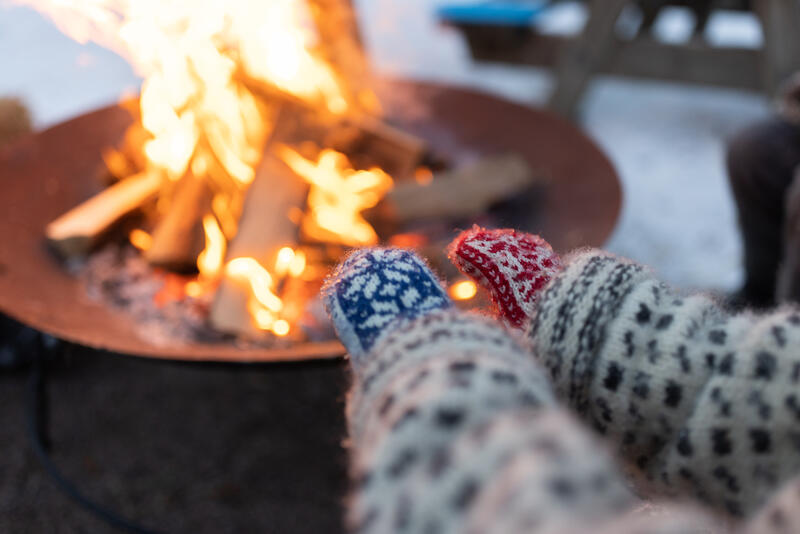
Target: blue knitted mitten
(372, 289)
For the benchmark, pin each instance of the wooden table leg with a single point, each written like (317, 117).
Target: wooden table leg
(586, 55)
(780, 20)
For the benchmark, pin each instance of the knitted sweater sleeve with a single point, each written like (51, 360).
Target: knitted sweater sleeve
(454, 428)
(700, 400)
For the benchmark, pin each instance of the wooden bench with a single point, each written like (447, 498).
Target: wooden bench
(599, 49)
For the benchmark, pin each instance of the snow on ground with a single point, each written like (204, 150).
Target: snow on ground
(666, 140)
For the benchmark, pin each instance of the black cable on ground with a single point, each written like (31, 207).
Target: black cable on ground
(37, 419)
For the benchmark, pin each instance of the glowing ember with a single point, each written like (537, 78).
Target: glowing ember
(140, 239)
(423, 176)
(337, 197)
(463, 290)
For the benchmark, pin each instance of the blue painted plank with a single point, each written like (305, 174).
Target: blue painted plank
(499, 13)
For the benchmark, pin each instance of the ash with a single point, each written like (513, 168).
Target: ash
(119, 277)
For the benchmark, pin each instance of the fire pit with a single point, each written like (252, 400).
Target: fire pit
(259, 151)
(46, 174)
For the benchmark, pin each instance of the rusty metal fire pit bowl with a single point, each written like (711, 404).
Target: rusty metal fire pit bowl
(45, 174)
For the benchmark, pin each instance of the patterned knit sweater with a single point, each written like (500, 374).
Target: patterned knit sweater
(700, 400)
(455, 427)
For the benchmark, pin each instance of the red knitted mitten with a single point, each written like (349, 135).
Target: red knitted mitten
(512, 266)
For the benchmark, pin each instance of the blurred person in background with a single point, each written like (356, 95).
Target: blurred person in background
(764, 171)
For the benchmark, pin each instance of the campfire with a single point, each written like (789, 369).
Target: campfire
(257, 157)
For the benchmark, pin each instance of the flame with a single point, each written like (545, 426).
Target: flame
(284, 259)
(463, 290)
(215, 74)
(200, 60)
(140, 239)
(280, 327)
(264, 305)
(290, 262)
(337, 196)
(209, 262)
(260, 281)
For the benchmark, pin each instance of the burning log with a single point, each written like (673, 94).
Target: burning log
(78, 230)
(264, 228)
(460, 193)
(364, 139)
(369, 142)
(179, 238)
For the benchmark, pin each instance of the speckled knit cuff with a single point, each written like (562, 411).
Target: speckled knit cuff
(522, 470)
(424, 385)
(442, 341)
(372, 289)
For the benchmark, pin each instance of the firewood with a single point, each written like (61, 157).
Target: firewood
(455, 194)
(78, 230)
(370, 142)
(179, 238)
(366, 140)
(264, 228)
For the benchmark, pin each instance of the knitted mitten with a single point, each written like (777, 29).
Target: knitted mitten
(373, 288)
(698, 399)
(453, 426)
(512, 266)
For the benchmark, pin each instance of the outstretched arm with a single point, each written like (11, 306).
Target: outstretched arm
(454, 427)
(698, 399)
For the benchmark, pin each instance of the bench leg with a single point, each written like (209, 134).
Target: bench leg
(585, 55)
